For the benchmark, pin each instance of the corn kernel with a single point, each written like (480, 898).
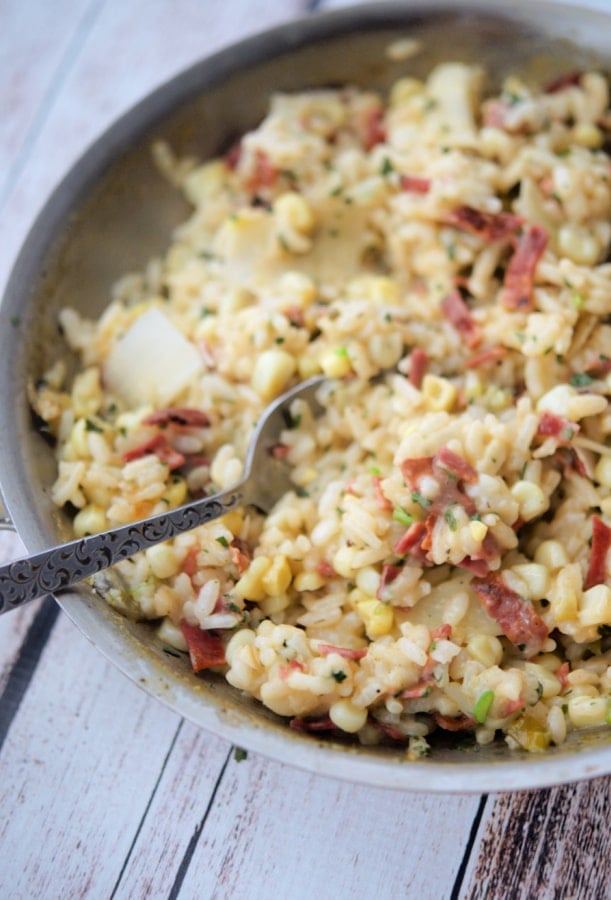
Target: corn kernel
(250, 585)
(293, 211)
(564, 594)
(298, 289)
(602, 472)
(368, 580)
(335, 362)
(176, 492)
(551, 554)
(588, 135)
(378, 618)
(595, 606)
(579, 244)
(403, 89)
(272, 605)
(162, 560)
(308, 365)
(536, 578)
(486, 649)
(478, 531)
(587, 711)
(343, 562)
(347, 716)
(272, 373)
(530, 498)
(233, 521)
(87, 395)
(243, 638)
(278, 576)
(308, 581)
(439, 393)
(170, 634)
(90, 520)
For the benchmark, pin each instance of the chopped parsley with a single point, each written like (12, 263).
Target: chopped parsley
(450, 519)
(581, 379)
(420, 500)
(386, 167)
(339, 676)
(90, 425)
(402, 516)
(239, 754)
(222, 540)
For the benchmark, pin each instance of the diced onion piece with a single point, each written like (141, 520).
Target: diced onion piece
(152, 363)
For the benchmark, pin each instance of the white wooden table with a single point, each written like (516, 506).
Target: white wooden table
(103, 791)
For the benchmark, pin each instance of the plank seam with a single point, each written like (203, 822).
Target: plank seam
(48, 99)
(146, 810)
(188, 854)
(462, 869)
(25, 665)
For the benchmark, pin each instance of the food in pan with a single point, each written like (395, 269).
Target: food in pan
(442, 564)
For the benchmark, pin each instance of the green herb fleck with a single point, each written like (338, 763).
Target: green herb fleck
(581, 379)
(451, 251)
(90, 425)
(483, 706)
(239, 754)
(279, 340)
(339, 676)
(450, 519)
(222, 540)
(577, 301)
(420, 500)
(400, 515)
(171, 652)
(386, 167)
(337, 191)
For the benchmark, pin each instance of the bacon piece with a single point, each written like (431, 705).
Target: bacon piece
(158, 445)
(178, 415)
(382, 500)
(264, 174)
(389, 574)
(293, 666)
(422, 689)
(391, 731)
(414, 469)
(490, 227)
(411, 539)
(441, 632)
(492, 354)
(317, 723)
(454, 465)
(459, 316)
(206, 648)
(562, 674)
(419, 363)
(345, 652)
(280, 451)
(494, 113)
(295, 316)
(569, 79)
(551, 425)
(453, 723)
(373, 130)
(509, 707)
(415, 185)
(189, 563)
(517, 617)
(233, 155)
(240, 555)
(519, 278)
(325, 569)
(479, 567)
(599, 367)
(601, 541)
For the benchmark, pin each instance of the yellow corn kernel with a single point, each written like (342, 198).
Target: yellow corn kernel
(347, 716)
(536, 578)
(368, 580)
(176, 492)
(87, 395)
(162, 560)
(530, 734)
(272, 373)
(564, 594)
(403, 89)
(308, 365)
(250, 585)
(585, 712)
(343, 562)
(90, 520)
(335, 362)
(439, 393)
(278, 576)
(77, 446)
(579, 244)
(272, 605)
(378, 618)
(595, 606)
(378, 289)
(294, 212)
(170, 634)
(602, 472)
(530, 498)
(478, 531)
(298, 289)
(486, 649)
(586, 134)
(308, 581)
(243, 638)
(551, 554)
(233, 521)
(205, 182)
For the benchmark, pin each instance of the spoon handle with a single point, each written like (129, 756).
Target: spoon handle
(52, 570)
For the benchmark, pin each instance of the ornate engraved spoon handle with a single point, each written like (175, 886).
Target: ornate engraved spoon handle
(26, 579)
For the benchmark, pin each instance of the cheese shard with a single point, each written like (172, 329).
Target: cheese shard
(152, 363)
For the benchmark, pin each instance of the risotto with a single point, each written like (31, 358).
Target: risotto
(442, 563)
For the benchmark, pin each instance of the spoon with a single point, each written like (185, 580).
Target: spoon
(266, 479)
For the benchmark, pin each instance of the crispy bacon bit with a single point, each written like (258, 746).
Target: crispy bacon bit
(319, 723)
(599, 367)
(264, 174)
(491, 355)
(494, 113)
(189, 564)
(295, 316)
(280, 451)
(569, 79)
(373, 128)
(455, 466)
(389, 574)
(601, 541)
(162, 450)
(419, 363)
(325, 569)
(422, 689)
(517, 617)
(490, 227)
(414, 469)
(551, 425)
(453, 723)
(441, 632)
(509, 707)
(562, 674)
(459, 316)
(382, 500)
(411, 539)
(182, 416)
(345, 652)
(391, 731)
(233, 155)
(479, 567)
(293, 666)
(240, 555)
(206, 648)
(415, 185)
(519, 278)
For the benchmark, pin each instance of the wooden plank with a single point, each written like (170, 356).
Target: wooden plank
(82, 759)
(544, 844)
